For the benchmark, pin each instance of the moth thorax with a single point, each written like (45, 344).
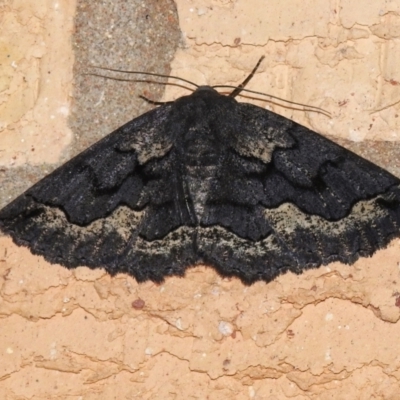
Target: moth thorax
(201, 150)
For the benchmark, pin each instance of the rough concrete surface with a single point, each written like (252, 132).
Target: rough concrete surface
(331, 333)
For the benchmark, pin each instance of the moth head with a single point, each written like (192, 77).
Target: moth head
(205, 88)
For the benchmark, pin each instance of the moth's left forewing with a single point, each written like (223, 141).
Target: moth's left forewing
(328, 203)
(319, 202)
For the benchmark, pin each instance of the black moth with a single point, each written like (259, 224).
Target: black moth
(205, 179)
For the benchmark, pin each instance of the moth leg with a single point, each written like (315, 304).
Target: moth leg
(237, 91)
(155, 103)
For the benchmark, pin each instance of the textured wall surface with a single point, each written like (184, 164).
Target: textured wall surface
(330, 333)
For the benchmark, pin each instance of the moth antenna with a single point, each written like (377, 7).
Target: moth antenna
(145, 73)
(235, 92)
(310, 108)
(239, 88)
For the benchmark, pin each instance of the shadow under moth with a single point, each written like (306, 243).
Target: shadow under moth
(206, 179)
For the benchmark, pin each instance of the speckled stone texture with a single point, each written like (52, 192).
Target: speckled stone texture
(139, 35)
(330, 333)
